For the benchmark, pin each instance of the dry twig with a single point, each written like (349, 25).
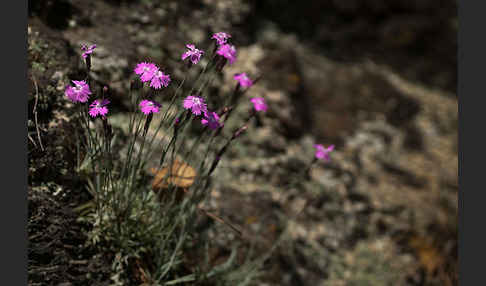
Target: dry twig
(35, 112)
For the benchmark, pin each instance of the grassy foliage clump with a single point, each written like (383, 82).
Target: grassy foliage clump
(148, 188)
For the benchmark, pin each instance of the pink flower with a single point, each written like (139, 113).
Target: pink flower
(79, 93)
(146, 71)
(98, 107)
(212, 120)
(221, 38)
(159, 79)
(243, 80)
(323, 153)
(87, 50)
(228, 52)
(193, 53)
(148, 106)
(196, 104)
(259, 104)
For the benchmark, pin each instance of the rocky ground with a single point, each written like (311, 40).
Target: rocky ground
(378, 80)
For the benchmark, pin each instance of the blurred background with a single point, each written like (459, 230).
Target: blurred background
(376, 78)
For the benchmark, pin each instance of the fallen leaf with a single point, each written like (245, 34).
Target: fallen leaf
(181, 175)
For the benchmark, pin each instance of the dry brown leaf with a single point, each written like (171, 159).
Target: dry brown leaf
(182, 175)
(428, 254)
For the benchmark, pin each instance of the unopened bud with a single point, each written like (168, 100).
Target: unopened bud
(226, 110)
(239, 131)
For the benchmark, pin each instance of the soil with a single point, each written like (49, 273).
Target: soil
(377, 79)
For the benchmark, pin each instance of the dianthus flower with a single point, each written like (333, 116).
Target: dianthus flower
(87, 50)
(79, 92)
(228, 52)
(221, 38)
(196, 104)
(323, 153)
(98, 107)
(145, 70)
(148, 106)
(159, 79)
(193, 53)
(259, 104)
(243, 80)
(211, 119)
